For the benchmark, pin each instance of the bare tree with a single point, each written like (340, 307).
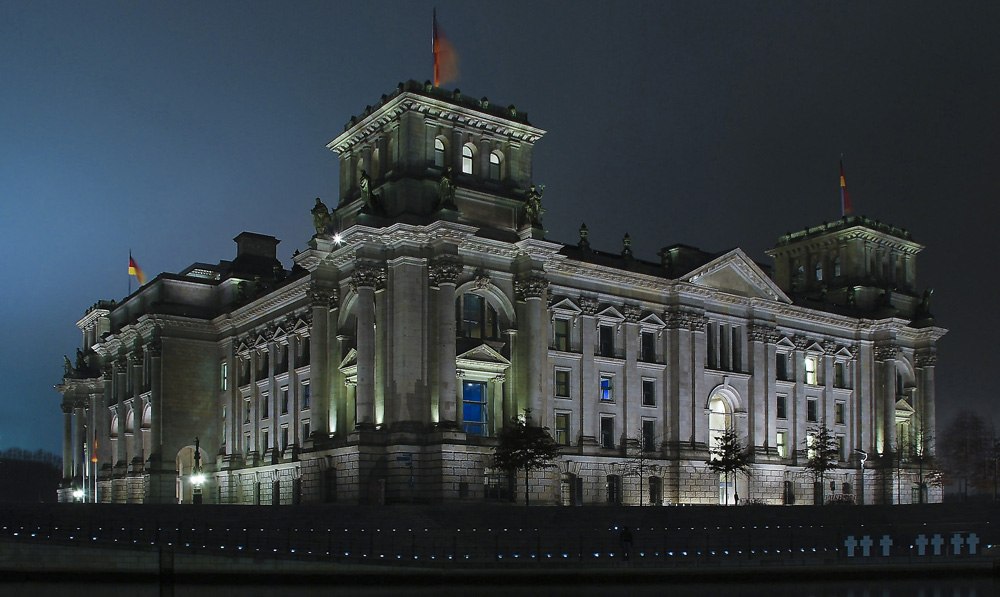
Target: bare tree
(526, 447)
(639, 454)
(823, 455)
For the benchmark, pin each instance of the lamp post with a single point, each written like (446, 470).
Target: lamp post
(861, 490)
(197, 477)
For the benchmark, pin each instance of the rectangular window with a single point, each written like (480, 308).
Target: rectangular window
(607, 388)
(841, 456)
(649, 392)
(724, 348)
(840, 374)
(246, 410)
(737, 347)
(284, 438)
(607, 432)
(305, 396)
(812, 366)
(812, 410)
(224, 376)
(781, 366)
(840, 412)
(607, 339)
(284, 400)
(648, 435)
(562, 334)
(562, 429)
(711, 360)
(306, 430)
(811, 445)
(246, 443)
(265, 406)
(781, 442)
(474, 407)
(648, 348)
(781, 407)
(265, 440)
(562, 383)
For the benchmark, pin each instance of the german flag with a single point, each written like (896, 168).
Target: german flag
(445, 58)
(133, 270)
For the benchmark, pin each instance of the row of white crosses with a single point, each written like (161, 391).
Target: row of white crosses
(936, 542)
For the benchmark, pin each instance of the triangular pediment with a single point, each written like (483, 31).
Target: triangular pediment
(350, 359)
(652, 320)
(610, 313)
(735, 273)
(300, 325)
(483, 353)
(785, 342)
(903, 407)
(843, 352)
(566, 305)
(260, 341)
(815, 347)
(279, 332)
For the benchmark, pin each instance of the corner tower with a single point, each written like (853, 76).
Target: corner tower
(395, 156)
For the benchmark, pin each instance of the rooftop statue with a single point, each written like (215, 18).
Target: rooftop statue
(322, 217)
(446, 191)
(533, 205)
(365, 183)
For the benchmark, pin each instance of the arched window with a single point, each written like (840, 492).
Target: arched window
(819, 271)
(439, 160)
(720, 419)
(467, 160)
(836, 267)
(495, 161)
(477, 318)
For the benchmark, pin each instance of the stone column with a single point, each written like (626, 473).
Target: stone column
(761, 353)
(926, 361)
(532, 291)
(631, 396)
(588, 383)
(155, 456)
(67, 447)
(323, 299)
(121, 458)
(444, 273)
(887, 356)
(135, 370)
(364, 281)
(79, 437)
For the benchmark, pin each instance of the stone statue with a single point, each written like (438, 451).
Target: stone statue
(67, 367)
(627, 245)
(365, 183)
(533, 205)
(446, 191)
(81, 362)
(584, 233)
(322, 217)
(924, 308)
(851, 298)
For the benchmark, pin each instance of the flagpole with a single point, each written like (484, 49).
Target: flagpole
(129, 275)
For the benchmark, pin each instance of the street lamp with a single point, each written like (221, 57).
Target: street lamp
(861, 490)
(198, 477)
(78, 494)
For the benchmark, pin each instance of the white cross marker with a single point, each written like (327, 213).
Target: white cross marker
(866, 543)
(956, 542)
(973, 541)
(850, 544)
(937, 542)
(921, 544)
(885, 543)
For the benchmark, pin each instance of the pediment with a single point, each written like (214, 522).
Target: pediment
(785, 342)
(903, 407)
(566, 305)
(260, 341)
(610, 313)
(735, 273)
(652, 320)
(279, 332)
(351, 358)
(483, 354)
(843, 352)
(300, 325)
(814, 347)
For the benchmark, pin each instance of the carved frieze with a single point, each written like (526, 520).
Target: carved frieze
(632, 313)
(686, 321)
(801, 342)
(763, 333)
(829, 347)
(366, 275)
(445, 270)
(531, 287)
(588, 306)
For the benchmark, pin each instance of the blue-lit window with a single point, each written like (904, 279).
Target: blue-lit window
(474, 407)
(607, 388)
(477, 318)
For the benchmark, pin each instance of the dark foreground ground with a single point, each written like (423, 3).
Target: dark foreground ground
(487, 543)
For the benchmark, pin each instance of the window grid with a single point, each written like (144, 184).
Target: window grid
(607, 388)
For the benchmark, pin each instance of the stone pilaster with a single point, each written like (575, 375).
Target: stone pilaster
(532, 291)
(323, 301)
(444, 274)
(364, 281)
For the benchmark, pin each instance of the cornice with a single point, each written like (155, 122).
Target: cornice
(284, 296)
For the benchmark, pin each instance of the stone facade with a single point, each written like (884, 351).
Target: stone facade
(429, 309)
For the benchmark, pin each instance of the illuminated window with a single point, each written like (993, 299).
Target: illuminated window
(562, 383)
(836, 267)
(781, 443)
(607, 388)
(474, 407)
(224, 376)
(649, 392)
(819, 271)
(466, 159)
(561, 334)
(811, 442)
(562, 429)
(495, 165)
(720, 419)
(439, 153)
(812, 410)
(812, 365)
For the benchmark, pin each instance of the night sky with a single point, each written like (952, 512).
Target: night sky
(168, 128)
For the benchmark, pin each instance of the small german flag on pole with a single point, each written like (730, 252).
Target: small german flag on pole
(445, 58)
(133, 270)
(845, 197)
